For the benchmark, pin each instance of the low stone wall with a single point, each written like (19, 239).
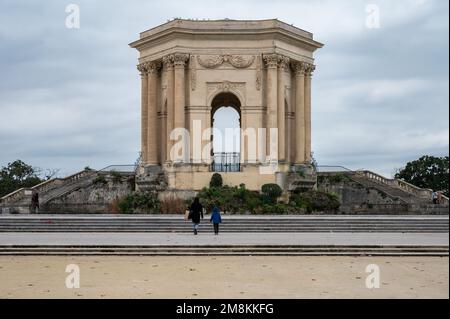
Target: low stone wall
(356, 198)
(98, 197)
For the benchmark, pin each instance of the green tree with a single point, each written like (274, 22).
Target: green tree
(427, 172)
(17, 175)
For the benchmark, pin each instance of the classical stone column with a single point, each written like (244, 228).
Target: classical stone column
(271, 61)
(283, 64)
(152, 122)
(142, 68)
(299, 70)
(180, 98)
(308, 74)
(168, 68)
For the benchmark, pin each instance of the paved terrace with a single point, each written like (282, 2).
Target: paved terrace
(207, 238)
(224, 216)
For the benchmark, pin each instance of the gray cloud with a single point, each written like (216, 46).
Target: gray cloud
(70, 98)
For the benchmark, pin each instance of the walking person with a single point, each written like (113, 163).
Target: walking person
(196, 211)
(439, 198)
(434, 197)
(35, 202)
(216, 219)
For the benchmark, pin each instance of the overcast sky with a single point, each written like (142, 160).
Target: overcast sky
(69, 98)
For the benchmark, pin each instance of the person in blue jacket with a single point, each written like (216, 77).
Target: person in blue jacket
(216, 219)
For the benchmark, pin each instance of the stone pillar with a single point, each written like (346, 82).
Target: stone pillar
(152, 113)
(308, 73)
(282, 66)
(180, 98)
(168, 68)
(180, 91)
(271, 61)
(299, 69)
(144, 117)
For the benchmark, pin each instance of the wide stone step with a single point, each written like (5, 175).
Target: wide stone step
(102, 230)
(230, 250)
(231, 224)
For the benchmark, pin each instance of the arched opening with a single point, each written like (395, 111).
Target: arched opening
(226, 137)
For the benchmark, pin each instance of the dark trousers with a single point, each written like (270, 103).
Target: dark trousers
(216, 228)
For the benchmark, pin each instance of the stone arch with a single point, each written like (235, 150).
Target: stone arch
(224, 161)
(225, 88)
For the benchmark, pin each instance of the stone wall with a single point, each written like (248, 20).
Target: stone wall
(356, 198)
(96, 198)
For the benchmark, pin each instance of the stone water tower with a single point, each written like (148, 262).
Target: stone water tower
(191, 68)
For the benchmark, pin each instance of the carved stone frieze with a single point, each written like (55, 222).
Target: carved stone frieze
(214, 61)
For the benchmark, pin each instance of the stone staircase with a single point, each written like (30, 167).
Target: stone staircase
(251, 224)
(225, 250)
(388, 190)
(406, 197)
(395, 187)
(19, 201)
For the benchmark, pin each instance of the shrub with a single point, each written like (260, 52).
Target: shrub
(113, 206)
(230, 199)
(139, 202)
(116, 177)
(241, 200)
(216, 180)
(316, 201)
(100, 179)
(272, 191)
(173, 205)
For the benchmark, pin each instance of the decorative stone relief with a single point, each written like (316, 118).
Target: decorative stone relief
(258, 73)
(271, 60)
(149, 67)
(225, 86)
(310, 68)
(303, 68)
(180, 59)
(276, 60)
(237, 61)
(193, 70)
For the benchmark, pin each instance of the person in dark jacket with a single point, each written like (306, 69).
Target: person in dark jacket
(216, 219)
(35, 202)
(196, 210)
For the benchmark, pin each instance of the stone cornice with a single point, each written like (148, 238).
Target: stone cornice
(230, 29)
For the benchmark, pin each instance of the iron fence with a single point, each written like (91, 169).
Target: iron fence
(226, 162)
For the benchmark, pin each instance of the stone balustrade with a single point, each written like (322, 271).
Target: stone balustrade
(378, 178)
(14, 196)
(403, 185)
(42, 187)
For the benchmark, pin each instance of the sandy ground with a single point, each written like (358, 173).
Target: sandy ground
(223, 277)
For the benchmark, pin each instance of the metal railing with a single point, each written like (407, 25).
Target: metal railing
(119, 168)
(332, 169)
(226, 162)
